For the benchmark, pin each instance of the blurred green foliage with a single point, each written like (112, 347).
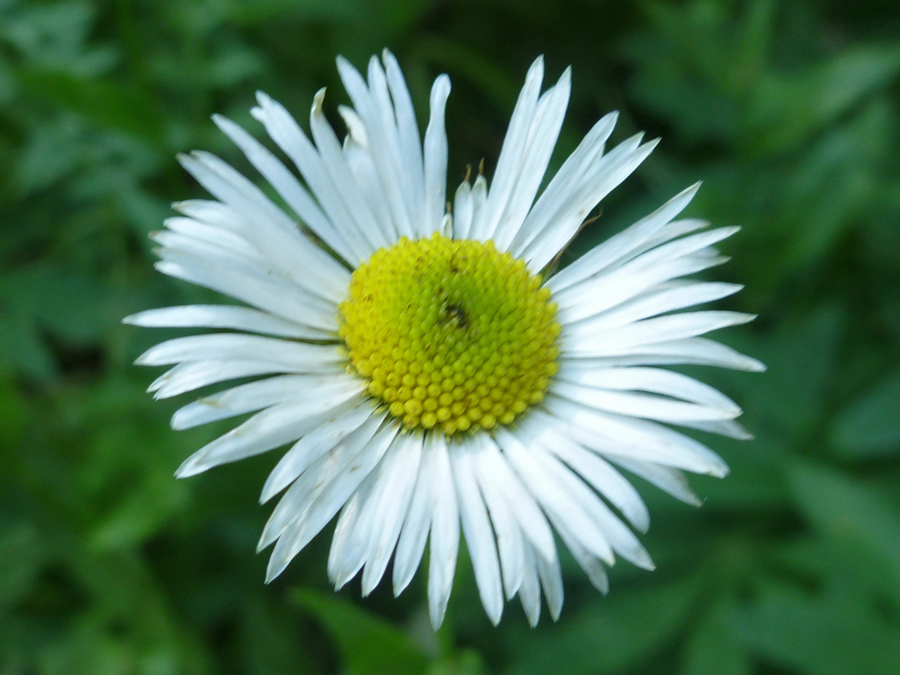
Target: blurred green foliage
(788, 111)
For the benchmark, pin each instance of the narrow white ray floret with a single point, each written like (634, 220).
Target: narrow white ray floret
(431, 380)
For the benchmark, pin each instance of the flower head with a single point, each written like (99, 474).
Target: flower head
(430, 381)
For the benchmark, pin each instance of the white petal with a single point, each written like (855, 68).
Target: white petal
(384, 144)
(614, 248)
(693, 351)
(264, 431)
(192, 375)
(607, 433)
(221, 316)
(541, 141)
(396, 481)
(208, 243)
(514, 145)
(341, 566)
(670, 244)
(311, 447)
(253, 286)
(550, 575)
(462, 211)
(620, 538)
(311, 358)
(337, 188)
(669, 480)
(436, 158)
(210, 236)
(356, 128)
(280, 178)
(332, 496)
(354, 531)
(654, 380)
(477, 529)
(602, 297)
(556, 502)
(641, 405)
(408, 131)
(729, 428)
(479, 200)
(444, 546)
(666, 297)
(510, 544)
(530, 590)
(317, 477)
(524, 507)
(661, 329)
(273, 232)
(359, 161)
(600, 474)
(611, 170)
(410, 183)
(327, 390)
(655, 248)
(228, 257)
(592, 565)
(414, 534)
(566, 183)
(330, 276)
(288, 135)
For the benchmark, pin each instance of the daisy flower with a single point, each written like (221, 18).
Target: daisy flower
(431, 382)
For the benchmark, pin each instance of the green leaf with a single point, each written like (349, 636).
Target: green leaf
(15, 413)
(714, 647)
(788, 109)
(309, 10)
(141, 513)
(267, 647)
(22, 346)
(368, 644)
(845, 510)
(833, 182)
(464, 662)
(22, 552)
(755, 483)
(801, 356)
(870, 427)
(107, 103)
(621, 630)
(830, 635)
(71, 304)
(830, 564)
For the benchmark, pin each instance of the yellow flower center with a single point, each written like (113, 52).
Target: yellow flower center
(450, 333)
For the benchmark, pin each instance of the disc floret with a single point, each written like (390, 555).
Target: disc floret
(450, 334)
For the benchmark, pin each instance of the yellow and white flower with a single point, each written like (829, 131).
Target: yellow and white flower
(431, 382)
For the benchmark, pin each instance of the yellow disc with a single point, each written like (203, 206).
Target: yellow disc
(450, 334)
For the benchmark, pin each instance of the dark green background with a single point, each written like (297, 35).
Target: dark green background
(788, 111)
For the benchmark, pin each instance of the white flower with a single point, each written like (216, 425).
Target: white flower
(428, 378)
